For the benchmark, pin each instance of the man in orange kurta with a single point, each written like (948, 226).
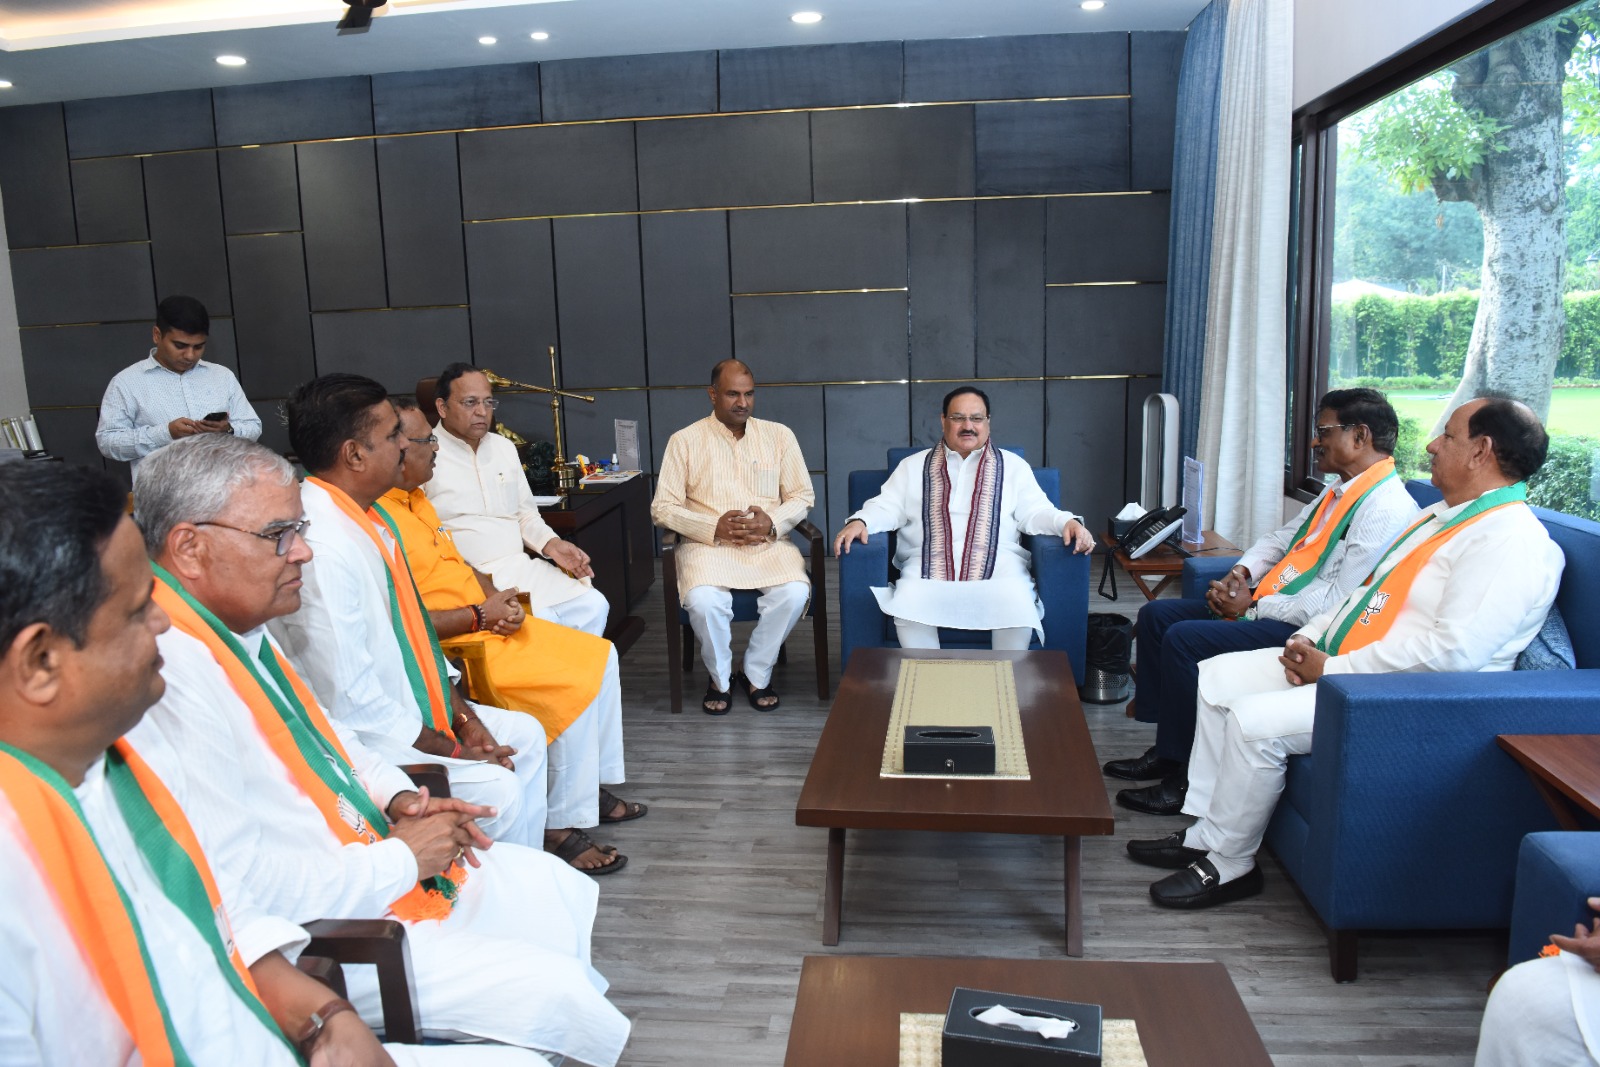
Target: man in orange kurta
(565, 678)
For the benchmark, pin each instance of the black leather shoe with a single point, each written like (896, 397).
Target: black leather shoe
(1147, 768)
(1169, 852)
(1163, 798)
(1196, 886)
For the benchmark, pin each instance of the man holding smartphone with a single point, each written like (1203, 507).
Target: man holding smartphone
(173, 392)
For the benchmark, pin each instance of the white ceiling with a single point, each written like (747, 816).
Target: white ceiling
(74, 49)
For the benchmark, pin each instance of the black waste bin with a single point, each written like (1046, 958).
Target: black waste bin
(1110, 652)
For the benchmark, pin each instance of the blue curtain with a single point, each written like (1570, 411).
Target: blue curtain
(1194, 180)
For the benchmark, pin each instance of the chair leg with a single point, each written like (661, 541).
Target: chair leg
(783, 654)
(674, 671)
(688, 647)
(1342, 954)
(819, 638)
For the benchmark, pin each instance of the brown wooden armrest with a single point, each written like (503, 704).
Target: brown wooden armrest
(326, 971)
(473, 661)
(432, 775)
(381, 942)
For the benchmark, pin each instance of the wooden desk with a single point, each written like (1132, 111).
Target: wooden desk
(612, 524)
(1066, 795)
(1188, 1014)
(1166, 563)
(1565, 769)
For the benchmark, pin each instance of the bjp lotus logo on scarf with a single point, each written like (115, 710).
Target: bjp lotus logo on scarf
(1373, 609)
(1290, 573)
(356, 821)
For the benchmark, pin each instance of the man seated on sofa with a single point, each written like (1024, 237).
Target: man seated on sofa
(1465, 588)
(1298, 571)
(959, 511)
(1546, 1012)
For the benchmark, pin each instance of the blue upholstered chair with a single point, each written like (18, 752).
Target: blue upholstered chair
(1061, 578)
(1557, 873)
(1406, 815)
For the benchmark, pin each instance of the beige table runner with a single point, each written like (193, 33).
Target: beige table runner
(957, 692)
(922, 1039)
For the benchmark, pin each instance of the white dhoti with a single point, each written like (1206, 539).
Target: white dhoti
(1542, 1013)
(464, 1056)
(553, 595)
(710, 610)
(587, 753)
(1249, 720)
(1003, 602)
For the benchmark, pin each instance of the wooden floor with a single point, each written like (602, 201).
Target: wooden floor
(702, 936)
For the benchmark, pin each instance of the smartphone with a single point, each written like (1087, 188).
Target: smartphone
(215, 416)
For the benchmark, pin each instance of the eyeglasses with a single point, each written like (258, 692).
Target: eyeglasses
(283, 535)
(471, 403)
(1322, 432)
(976, 420)
(431, 439)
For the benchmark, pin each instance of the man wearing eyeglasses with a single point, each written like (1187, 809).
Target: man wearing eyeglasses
(482, 497)
(958, 511)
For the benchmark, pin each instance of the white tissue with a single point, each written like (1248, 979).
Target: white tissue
(1130, 510)
(1046, 1028)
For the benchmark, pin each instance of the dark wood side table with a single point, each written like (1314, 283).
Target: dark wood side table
(1188, 1014)
(1565, 769)
(1166, 563)
(612, 524)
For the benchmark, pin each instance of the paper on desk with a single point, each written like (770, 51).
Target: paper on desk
(546, 501)
(1000, 1015)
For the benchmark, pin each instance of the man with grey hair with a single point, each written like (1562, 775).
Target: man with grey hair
(329, 829)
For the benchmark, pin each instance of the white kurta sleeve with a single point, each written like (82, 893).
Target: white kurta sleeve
(1260, 557)
(1033, 510)
(536, 533)
(384, 781)
(899, 501)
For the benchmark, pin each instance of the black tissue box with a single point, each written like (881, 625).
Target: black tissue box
(969, 1043)
(949, 750)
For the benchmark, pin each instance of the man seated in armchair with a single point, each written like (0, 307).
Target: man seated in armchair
(1465, 588)
(960, 508)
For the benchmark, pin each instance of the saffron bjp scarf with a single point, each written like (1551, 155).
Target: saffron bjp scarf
(983, 522)
(1306, 555)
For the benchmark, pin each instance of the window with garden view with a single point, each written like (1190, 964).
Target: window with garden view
(1466, 253)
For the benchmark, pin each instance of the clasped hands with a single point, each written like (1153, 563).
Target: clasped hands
(1230, 597)
(752, 526)
(438, 830)
(503, 613)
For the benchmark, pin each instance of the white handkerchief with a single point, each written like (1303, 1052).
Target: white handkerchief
(1046, 1028)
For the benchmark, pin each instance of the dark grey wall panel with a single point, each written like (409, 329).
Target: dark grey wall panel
(599, 300)
(108, 195)
(864, 422)
(1085, 438)
(153, 122)
(260, 189)
(590, 429)
(823, 338)
(943, 294)
(672, 83)
(673, 409)
(395, 347)
(1009, 265)
(1016, 407)
(1070, 146)
(459, 98)
(1105, 329)
(293, 111)
(551, 170)
(186, 242)
(344, 240)
(725, 162)
(70, 435)
(1156, 58)
(1107, 238)
(822, 75)
(101, 283)
(272, 316)
(789, 250)
(688, 322)
(511, 275)
(892, 153)
(421, 200)
(36, 184)
(70, 365)
(1017, 68)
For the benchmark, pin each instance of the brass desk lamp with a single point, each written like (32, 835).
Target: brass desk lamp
(566, 474)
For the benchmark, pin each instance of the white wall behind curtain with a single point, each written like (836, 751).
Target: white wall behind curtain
(1243, 394)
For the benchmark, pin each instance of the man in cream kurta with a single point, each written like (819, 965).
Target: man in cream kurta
(481, 493)
(1472, 605)
(732, 487)
(1004, 602)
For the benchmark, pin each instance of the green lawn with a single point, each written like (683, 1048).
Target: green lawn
(1572, 411)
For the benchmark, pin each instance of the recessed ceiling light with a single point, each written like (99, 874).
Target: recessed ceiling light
(231, 61)
(1092, 5)
(4, 84)
(806, 18)
(488, 40)
(539, 35)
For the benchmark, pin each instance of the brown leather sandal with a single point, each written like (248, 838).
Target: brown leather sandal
(632, 809)
(577, 843)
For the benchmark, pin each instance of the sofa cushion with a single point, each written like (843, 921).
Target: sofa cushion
(1551, 647)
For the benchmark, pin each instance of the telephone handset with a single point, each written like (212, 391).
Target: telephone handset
(1150, 529)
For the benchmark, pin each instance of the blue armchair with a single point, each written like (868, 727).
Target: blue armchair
(1557, 873)
(1061, 578)
(1406, 815)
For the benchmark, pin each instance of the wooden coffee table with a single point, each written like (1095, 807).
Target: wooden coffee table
(1565, 769)
(1066, 795)
(848, 1009)
(1166, 563)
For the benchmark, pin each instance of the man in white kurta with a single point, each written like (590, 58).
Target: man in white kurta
(481, 493)
(1473, 605)
(732, 487)
(1545, 1012)
(1005, 603)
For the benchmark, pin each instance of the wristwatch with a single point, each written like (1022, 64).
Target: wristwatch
(319, 1023)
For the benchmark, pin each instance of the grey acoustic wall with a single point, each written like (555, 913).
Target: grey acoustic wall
(865, 225)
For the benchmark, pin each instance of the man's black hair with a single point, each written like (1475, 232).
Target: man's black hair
(54, 523)
(184, 314)
(962, 390)
(448, 376)
(1365, 407)
(326, 412)
(405, 402)
(1520, 443)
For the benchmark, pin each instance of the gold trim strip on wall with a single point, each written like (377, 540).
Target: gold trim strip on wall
(822, 292)
(91, 244)
(363, 311)
(1082, 285)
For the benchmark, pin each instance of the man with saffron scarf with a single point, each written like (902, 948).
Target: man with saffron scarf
(293, 806)
(959, 510)
(118, 943)
(1466, 587)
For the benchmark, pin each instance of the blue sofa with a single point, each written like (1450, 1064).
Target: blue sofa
(1557, 873)
(1407, 815)
(1061, 577)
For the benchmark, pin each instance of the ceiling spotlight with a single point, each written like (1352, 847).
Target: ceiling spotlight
(806, 18)
(4, 84)
(539, 35)
(488, 40)
(1092, 5)
(232, 61)
(358, 15)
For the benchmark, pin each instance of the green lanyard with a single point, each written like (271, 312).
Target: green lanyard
(419, 687)
(1304, 578)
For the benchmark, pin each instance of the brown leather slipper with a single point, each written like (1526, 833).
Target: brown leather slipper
(608, 803)
(576, 844)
